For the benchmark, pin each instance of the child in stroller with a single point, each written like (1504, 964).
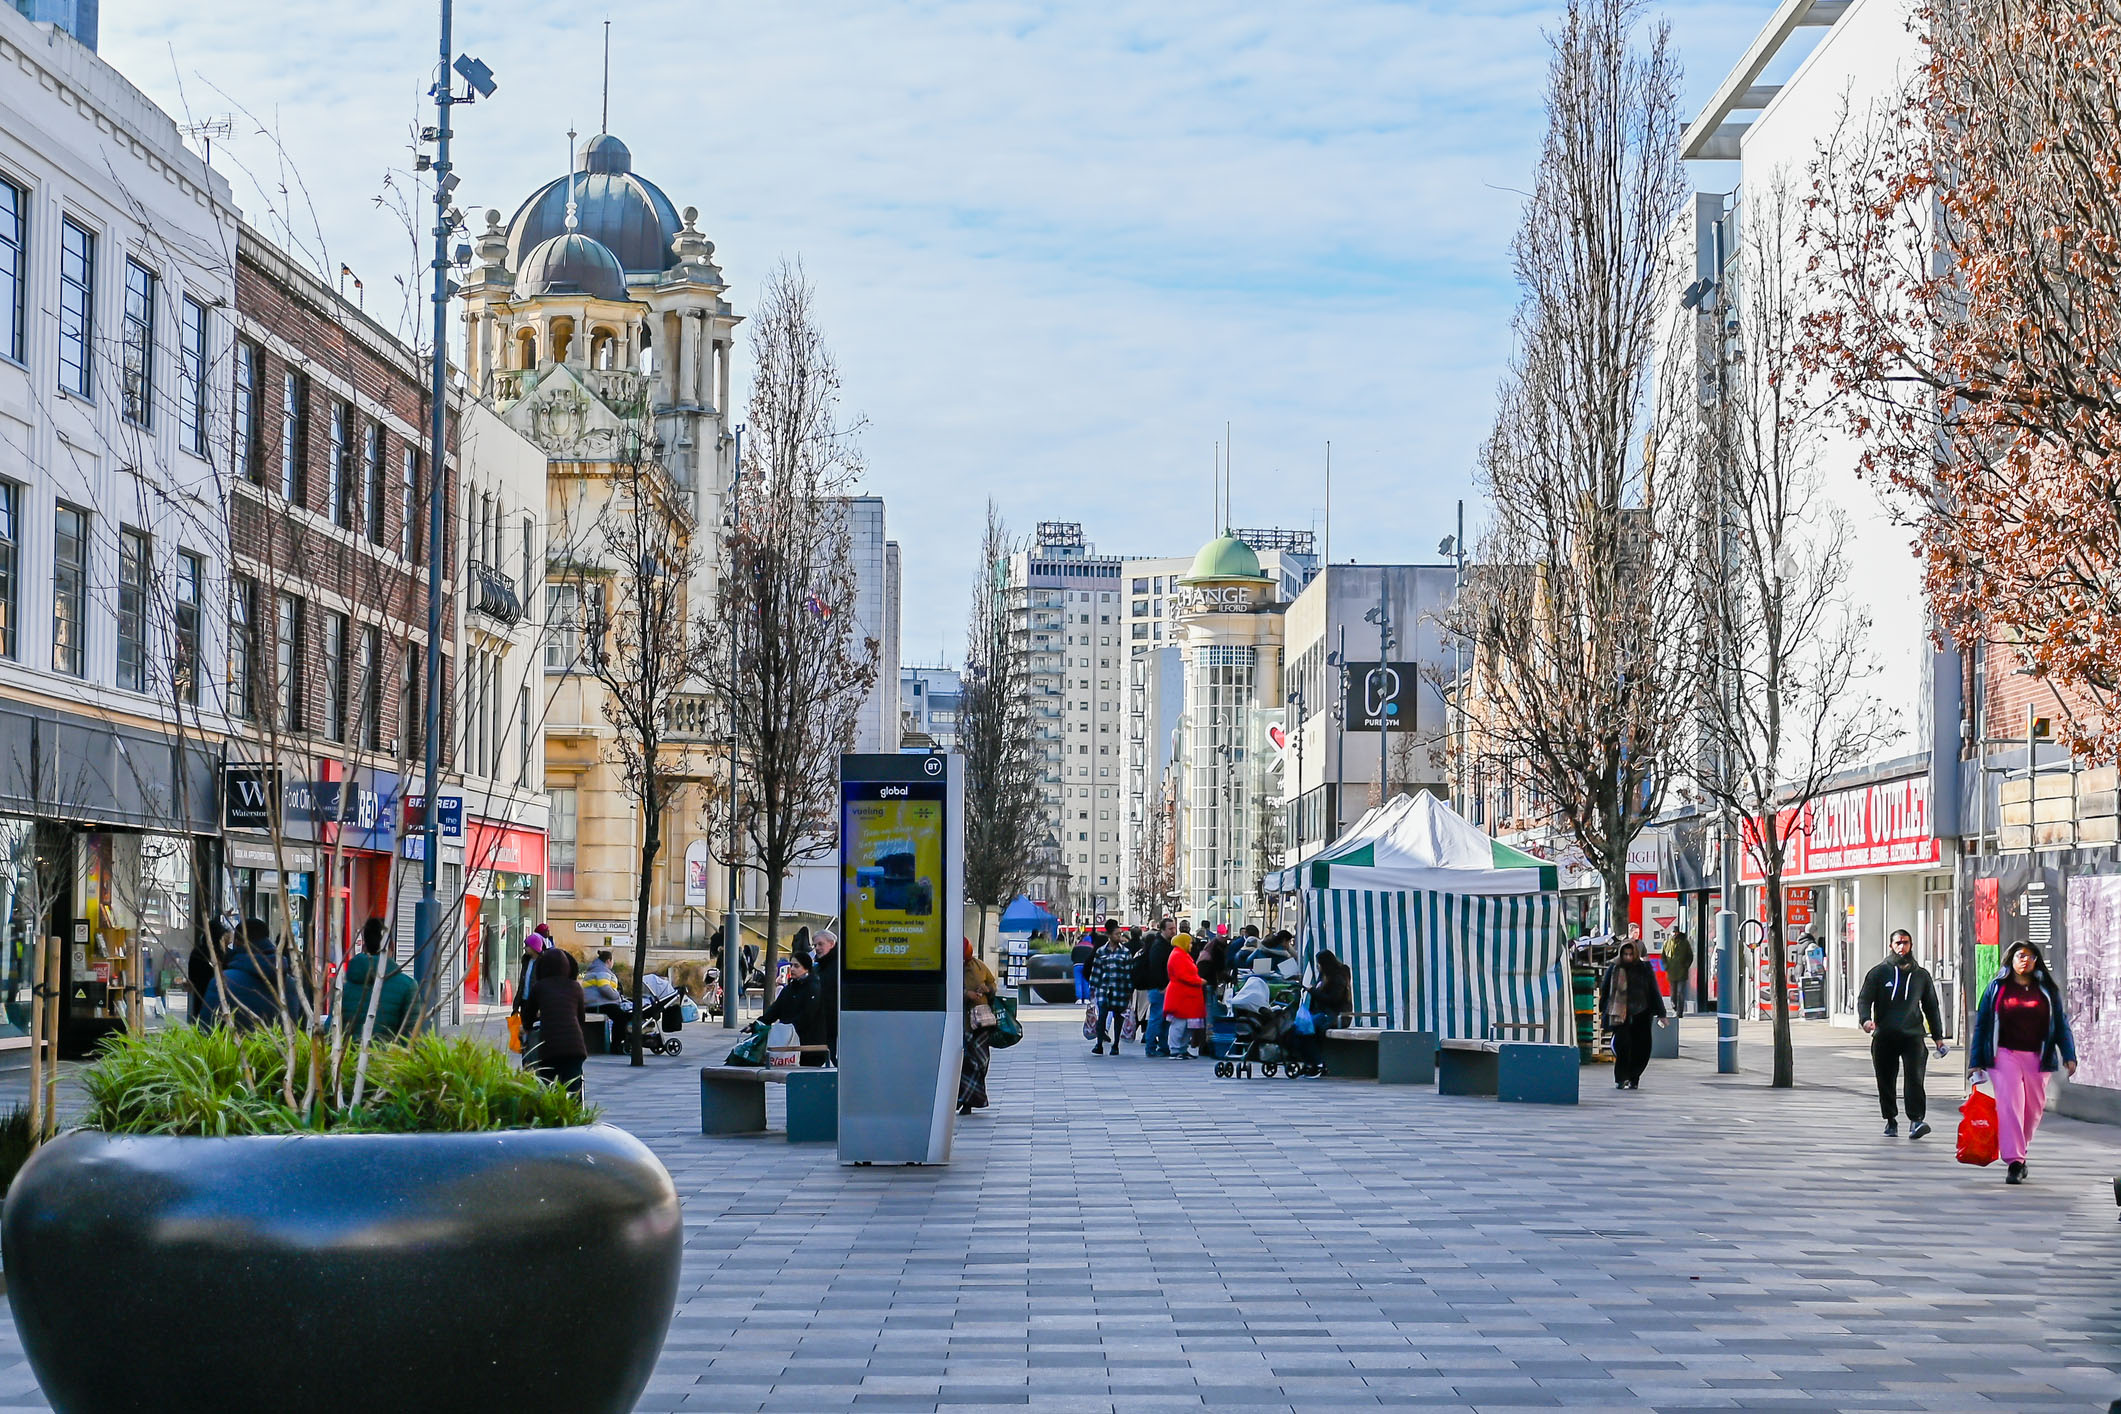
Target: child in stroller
(1265, 1012)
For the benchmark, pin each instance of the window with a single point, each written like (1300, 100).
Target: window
(559, 842)
(409, 493)
(133, 568)
(10, 564)
(69, 591)
(243, 650)
(294, 436)
(248, 427)
(523, 737)
(184, 668)
(563, 627)
(139, 401)
(410, 721)
(530, 534)
(287, 663)
(193, 404)
(338, 474)
(372, 483)
(335, 676)
(369, 680)
(14, 269)
(77, 309)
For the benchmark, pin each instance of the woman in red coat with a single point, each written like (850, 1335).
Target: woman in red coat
(1185, 999)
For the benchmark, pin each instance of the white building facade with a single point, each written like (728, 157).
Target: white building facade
(117, 254)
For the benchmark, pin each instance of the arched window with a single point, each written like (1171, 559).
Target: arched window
(527, 348)
(603, 346)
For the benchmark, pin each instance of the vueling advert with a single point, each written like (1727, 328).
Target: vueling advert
(893, 854)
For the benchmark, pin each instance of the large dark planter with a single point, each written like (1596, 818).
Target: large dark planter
(518, 1271)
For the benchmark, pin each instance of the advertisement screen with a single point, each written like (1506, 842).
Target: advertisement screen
(891, 857)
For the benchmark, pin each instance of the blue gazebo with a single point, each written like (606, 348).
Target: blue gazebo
(1028, 916)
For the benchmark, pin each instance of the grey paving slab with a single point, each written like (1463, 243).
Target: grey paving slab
(1123, 1234)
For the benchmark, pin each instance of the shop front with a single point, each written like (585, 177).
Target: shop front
(1861, 863)
(2067, 903)
(504, 887)
(356, 818)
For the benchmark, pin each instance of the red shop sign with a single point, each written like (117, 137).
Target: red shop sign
(1869, 829)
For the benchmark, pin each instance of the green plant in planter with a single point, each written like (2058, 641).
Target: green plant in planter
(16, 1145)
(218, 1082)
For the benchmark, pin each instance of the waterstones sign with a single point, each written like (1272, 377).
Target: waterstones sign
(1870, 829)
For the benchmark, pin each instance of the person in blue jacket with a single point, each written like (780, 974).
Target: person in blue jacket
(2021, 1036)
(253, 988)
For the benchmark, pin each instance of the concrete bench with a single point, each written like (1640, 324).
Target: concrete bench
(1387, 1057)
(1467, 1067)
(733, 1100)
(1519, 1072)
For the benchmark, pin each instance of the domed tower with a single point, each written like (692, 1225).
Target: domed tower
(599, 291)
(596, 327)
(1230, 635)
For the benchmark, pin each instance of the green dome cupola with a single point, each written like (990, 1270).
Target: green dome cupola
(1225, 558)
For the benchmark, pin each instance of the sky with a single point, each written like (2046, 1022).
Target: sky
(1056, 248)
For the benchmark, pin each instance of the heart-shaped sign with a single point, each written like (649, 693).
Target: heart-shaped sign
(1279, 737)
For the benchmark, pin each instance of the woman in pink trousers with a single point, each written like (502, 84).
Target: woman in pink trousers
(2021, 1036)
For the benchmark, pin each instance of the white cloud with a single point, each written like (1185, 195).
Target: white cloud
(1057, 246)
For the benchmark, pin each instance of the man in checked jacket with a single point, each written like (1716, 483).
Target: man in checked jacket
(1112, 977)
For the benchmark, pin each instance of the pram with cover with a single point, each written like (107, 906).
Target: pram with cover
(1265, 1014)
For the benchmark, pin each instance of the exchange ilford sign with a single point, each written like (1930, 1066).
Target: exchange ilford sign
(1215, 598)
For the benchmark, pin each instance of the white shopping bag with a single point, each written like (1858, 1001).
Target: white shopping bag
(782, 1034)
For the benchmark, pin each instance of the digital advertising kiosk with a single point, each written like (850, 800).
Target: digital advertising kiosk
(902, 962)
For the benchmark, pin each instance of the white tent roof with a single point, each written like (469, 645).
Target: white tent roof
(1417, 842)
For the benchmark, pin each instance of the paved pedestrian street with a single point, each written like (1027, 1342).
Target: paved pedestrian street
(1126, 1234)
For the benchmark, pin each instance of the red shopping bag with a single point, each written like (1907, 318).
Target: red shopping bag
(1978, 1141)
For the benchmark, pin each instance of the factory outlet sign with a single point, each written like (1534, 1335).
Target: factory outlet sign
(1864, 830)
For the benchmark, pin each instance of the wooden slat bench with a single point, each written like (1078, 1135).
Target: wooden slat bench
(733, 1099)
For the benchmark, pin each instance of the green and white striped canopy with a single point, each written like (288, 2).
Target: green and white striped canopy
(1418, 842)
(1455, 964)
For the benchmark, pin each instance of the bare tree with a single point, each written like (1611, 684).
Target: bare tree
(1788, 655)
(794, 667)
(1578, 607)
(647, 652)
(1154, 878)
(1004, 810)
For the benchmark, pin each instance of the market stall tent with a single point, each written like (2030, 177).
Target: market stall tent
(1444, 928)
(1027, 915)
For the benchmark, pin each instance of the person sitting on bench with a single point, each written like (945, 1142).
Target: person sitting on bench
(1329, 1001)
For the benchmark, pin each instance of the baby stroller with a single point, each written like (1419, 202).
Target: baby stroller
(659, 1020)
(1266, 1033)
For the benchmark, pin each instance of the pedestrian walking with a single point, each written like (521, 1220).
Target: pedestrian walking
(1113, 973)
(1678, 963)
(1629, 998)
(394, 1005)
(554, 1005)
(1185, 999)
(1152, 972)
(255, 988)
(1083, 955)
(980, 1021)
(1896, 1001)
(2021, 1036)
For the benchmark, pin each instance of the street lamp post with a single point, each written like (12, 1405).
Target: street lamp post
(427, 915)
